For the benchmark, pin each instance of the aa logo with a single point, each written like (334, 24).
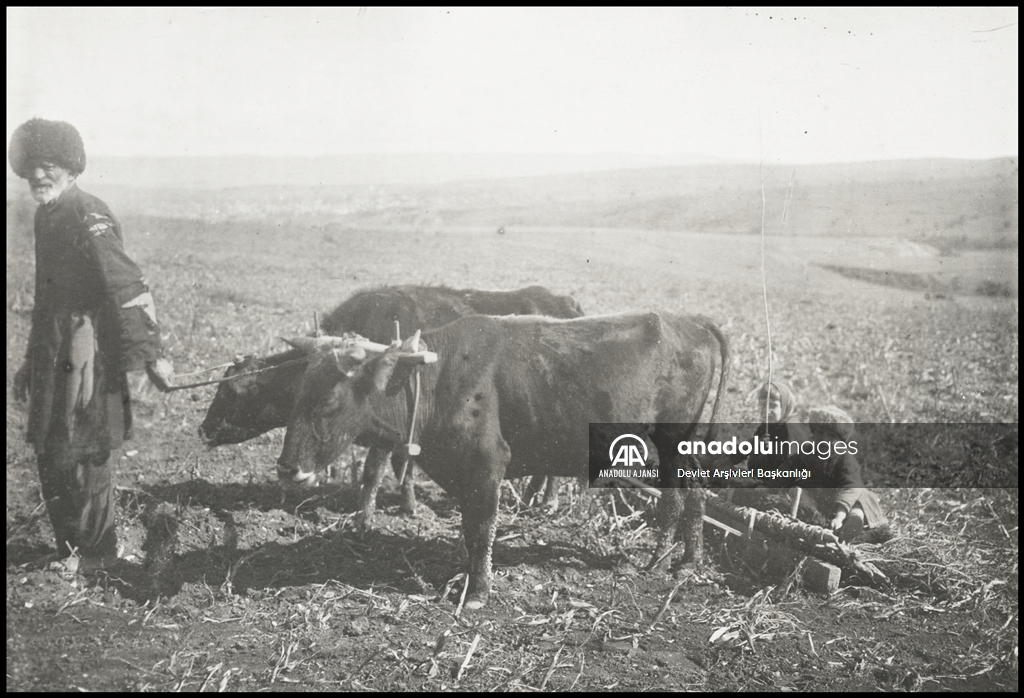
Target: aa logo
(625, 453)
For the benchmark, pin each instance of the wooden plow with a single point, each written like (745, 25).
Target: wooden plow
(820, 543)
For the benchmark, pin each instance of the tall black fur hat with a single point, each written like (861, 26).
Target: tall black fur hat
(38, 140)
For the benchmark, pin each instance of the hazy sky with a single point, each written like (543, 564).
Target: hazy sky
(792, 85)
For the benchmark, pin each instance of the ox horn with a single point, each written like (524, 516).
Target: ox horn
(311, 344)
(306, 344)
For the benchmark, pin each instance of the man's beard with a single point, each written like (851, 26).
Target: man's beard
(46, 193)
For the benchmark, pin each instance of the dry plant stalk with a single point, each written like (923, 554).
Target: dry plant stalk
(665, 605)
(462, 599)
(469, 655)
(551, 669)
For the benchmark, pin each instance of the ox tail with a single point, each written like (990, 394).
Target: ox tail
(723, 376)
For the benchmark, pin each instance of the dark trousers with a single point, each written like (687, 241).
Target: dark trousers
(79, 494)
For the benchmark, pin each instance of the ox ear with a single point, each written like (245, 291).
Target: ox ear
(376, 372)
(348, 360)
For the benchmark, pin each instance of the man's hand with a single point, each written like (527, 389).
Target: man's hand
(160, 374)
(21, 383)
(837, 520)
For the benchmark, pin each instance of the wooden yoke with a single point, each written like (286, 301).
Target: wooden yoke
(414, 357)
(310, 344)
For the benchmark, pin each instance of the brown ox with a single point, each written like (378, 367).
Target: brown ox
(510, 397)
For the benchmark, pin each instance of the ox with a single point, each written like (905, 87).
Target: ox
(511, 397)
(261, 397)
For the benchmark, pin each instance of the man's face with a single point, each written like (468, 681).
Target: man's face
(48, 181)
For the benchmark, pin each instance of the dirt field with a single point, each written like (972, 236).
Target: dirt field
(267, 589)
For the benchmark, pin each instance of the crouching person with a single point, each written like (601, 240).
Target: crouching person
(92, 322)
(779, 422)
(839, 485)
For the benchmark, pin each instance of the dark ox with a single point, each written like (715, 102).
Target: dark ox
(511, 397)
(260, 400)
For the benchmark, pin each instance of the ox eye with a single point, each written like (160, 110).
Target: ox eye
(320, 429)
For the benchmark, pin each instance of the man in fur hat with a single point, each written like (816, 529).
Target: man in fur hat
(93, 321)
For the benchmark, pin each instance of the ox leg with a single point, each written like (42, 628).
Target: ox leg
(669, 508)
(550, 499)
(680, 511)
(533, 489)
(373, 474)
(677, 507)
(408, 505)
(479, 521)
(551, 495)
(479, 503)
(693, 524)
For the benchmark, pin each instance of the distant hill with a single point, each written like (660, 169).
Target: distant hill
(941, 200)
(359, 169)
(951, 204)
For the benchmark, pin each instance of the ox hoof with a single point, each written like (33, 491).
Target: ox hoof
(364, 521)
(305, 479)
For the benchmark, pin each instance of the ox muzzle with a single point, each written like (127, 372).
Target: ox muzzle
(223, 434)
(205, 437)
(293, 475)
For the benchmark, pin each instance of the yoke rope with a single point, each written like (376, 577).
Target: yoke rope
(230, 378)
(205, 370)
(764, 290)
